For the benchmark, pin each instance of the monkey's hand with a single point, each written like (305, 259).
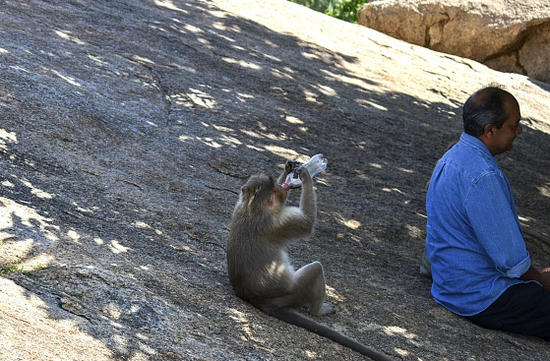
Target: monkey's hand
(291, 166)
(303, 173)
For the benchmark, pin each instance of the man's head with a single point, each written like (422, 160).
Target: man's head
(492, 115)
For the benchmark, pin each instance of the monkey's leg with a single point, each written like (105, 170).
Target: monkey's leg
(309, 285)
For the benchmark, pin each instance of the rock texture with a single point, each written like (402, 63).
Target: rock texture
(127, 128)
(506, 35)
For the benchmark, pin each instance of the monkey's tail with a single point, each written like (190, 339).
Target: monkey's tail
(291, 316)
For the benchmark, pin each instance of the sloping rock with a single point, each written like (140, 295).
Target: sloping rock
(127, 128)
(506, 35)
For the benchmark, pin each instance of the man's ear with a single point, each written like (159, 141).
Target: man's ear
(488, 130)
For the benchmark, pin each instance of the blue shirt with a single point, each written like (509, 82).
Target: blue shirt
(473, 237)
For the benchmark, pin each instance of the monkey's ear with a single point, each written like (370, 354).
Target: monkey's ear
(272, 200)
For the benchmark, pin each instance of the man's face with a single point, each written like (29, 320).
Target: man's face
(503, 137)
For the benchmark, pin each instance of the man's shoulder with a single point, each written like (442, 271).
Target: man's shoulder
(469, 160)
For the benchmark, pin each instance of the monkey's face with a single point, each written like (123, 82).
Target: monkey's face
(262, 192)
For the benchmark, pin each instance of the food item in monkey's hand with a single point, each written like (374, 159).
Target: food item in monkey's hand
(316, 164)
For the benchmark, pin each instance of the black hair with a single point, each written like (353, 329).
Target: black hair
(486, 106)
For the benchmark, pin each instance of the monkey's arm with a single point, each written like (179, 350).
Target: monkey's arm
(290, 224)
(294, 222)
(308, 198)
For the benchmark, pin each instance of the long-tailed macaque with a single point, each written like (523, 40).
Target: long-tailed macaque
(258, 265)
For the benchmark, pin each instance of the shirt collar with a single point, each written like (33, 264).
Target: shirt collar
(475, 143)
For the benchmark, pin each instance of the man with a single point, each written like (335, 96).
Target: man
(480, 266)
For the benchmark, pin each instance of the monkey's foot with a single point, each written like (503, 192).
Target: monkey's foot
(326, 309)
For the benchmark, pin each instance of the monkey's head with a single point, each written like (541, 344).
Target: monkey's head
(261, 192)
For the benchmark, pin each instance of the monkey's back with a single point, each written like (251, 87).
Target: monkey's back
(257, 267)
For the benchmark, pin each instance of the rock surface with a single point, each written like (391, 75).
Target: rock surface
(127, 128)
(506, 35)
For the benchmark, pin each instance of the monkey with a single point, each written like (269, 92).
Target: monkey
(258, 264)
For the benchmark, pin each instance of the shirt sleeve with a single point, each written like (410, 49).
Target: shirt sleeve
(492, 212)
